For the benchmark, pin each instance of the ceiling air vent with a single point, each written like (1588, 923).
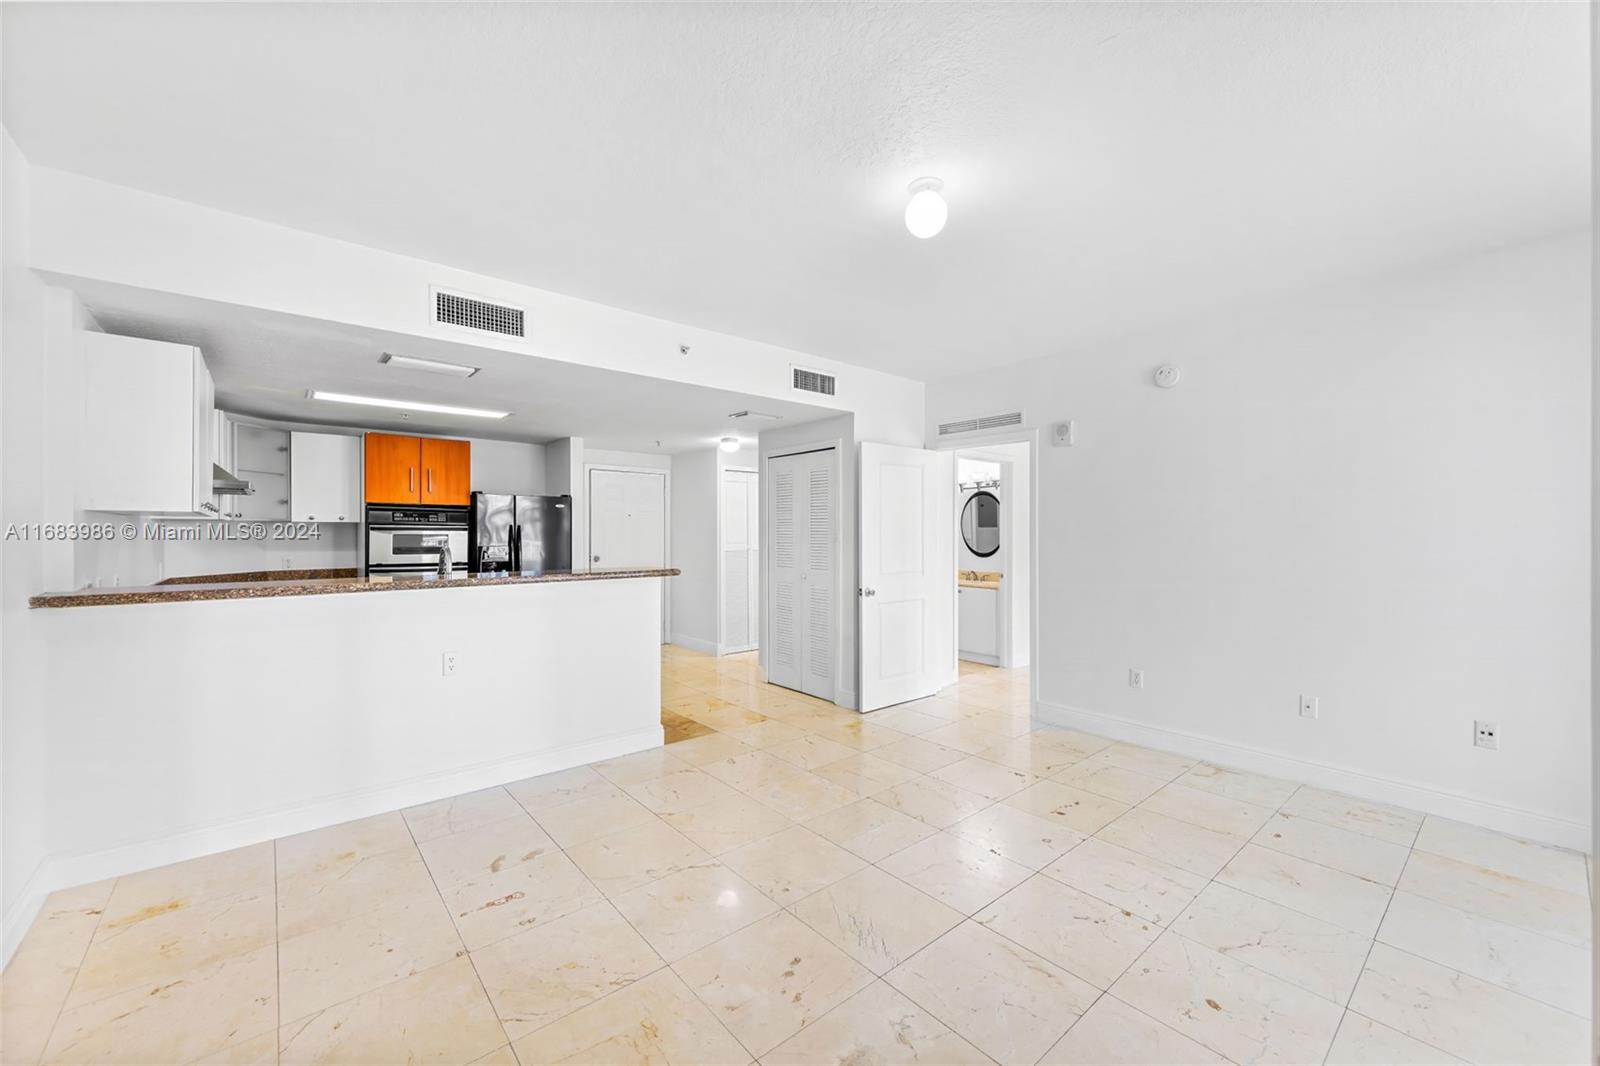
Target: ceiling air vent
(812, 381)
(454, 309)
(973, 425)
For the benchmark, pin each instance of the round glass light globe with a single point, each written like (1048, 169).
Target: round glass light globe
(926, 214)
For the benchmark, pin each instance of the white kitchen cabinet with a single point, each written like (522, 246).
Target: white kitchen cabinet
(146, 443)
(262, 458)
(324, 477)
(978, 624)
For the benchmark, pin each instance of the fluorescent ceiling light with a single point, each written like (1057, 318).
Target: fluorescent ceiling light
(432, 366)
(406, 405)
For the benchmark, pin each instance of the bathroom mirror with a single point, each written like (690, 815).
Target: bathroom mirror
(980, 524)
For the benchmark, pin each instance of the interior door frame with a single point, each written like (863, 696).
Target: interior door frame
(722, 473)
(978, 441)
(666, 524)
(835, 445)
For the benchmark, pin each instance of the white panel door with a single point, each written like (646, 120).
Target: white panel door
(741, 539)
(628, 521)
(907, 545)
(803, 573)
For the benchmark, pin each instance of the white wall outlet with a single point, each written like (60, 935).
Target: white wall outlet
(1308, 706)
(1136, 679)
(452, 663)
(1486, 735)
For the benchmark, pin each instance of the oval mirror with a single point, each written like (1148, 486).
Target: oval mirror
(980, 524)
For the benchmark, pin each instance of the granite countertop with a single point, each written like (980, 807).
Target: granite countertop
(262, 575)
(183, 590)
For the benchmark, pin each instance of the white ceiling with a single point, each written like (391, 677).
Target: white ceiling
(264, 363)
(743, 167)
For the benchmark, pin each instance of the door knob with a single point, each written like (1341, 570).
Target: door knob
(868, 592)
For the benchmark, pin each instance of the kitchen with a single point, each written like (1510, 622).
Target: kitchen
(317, 705)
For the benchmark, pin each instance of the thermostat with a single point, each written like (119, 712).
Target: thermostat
(1167, 376)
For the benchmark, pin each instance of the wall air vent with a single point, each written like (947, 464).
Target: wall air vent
(812, 381)
(454, 309)
(974, 425)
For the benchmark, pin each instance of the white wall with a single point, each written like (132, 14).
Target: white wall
(696, 499)
(1377, 496)
(508, 466)
(40, 395)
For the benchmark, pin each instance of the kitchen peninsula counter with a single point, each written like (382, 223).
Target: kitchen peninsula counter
(295, 713)
(187, 591)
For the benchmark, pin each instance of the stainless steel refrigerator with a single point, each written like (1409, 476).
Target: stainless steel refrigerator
(531, 534)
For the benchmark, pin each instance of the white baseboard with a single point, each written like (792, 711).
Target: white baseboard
(710, 647)
(1530, 825)
(980, 658)
(64, 871)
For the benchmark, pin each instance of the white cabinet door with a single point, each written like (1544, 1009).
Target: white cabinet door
(324, 477)
(146, 434)
(741, 539)
(979, 625)
(802, 622)
(907, 554)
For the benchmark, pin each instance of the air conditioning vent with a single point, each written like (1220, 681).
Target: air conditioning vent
(453, 309)
(1013, 418)
(813, 381)
(973, 425)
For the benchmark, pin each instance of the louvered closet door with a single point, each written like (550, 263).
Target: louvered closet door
(740, 537)
(818, 578)
(803, 573)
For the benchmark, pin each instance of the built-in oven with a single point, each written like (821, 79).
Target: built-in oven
(407, 540)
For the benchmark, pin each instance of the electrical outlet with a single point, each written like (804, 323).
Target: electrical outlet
(1308, 706)
(1486, 735)
(452, 663)
(1136, 679)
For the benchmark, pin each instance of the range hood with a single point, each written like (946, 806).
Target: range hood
(225, 484)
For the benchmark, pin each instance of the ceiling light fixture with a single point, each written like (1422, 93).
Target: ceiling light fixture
(926, 212)
(729, 444)
(432, 366)
(406, 405)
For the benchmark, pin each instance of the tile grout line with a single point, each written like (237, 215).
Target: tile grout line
(66, 998)
(439, 892)
(277, 963)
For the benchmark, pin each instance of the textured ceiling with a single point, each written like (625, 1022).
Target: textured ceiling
(743, 167)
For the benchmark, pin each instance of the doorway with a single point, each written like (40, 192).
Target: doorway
(995, 558)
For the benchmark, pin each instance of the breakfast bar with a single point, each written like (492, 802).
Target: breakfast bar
(307, 702)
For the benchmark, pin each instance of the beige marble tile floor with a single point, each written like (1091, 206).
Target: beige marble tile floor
(786, 882)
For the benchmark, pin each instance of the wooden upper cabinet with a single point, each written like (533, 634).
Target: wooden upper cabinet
(394, 469)
(418, 470)
(446, 472)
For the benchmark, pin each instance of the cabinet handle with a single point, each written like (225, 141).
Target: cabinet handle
(341, 518)
(409, 473)
(430, 479)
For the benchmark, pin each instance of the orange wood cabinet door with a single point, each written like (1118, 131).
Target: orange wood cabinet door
(393, 469)
(446, 472)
